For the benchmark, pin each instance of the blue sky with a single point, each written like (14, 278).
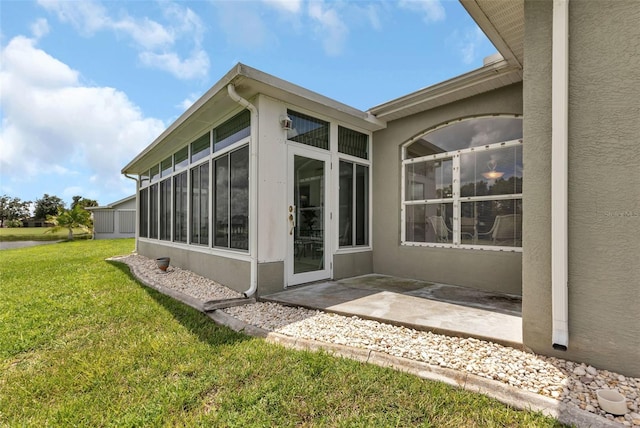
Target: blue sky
(86, 85)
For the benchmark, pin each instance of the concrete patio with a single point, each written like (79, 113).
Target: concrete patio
(440, 308)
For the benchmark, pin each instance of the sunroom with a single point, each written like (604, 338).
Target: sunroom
(260, 185)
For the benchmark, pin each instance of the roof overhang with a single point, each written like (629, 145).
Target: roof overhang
(216, 103)
(503, 23)
(112, 204)
(491, 76)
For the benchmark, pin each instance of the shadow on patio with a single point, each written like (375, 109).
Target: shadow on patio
(440, 308)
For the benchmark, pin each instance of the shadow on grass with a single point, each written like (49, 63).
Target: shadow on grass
(195, 321)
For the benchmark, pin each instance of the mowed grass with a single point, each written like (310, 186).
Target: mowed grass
(38, 234)
(84, 344)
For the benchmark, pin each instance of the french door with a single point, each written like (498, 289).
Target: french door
(308, 216)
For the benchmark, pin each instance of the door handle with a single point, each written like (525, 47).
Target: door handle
(292, 219)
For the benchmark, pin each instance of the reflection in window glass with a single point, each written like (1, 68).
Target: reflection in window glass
(200, 148)
(154, 173)
(200, 204)
(221, 210)
(166, 166)
(353, 143)
(239, 198)
(353, 221)
(308, 130)
(180, 207)
(429, 180)
(491, 172)
(492, 222)
(144, 213)
(231, 131)
(153, 211)
(231, 209)
(465, 134)
(181, 158)
(483, 155)
(165, 210)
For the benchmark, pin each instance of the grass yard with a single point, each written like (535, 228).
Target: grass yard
(38, 234)
(84, 344)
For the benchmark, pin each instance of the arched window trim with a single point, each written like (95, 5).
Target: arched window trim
(457, 200)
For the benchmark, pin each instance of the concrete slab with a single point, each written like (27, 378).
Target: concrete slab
(443, 309)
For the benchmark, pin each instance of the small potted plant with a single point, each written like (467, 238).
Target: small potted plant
(163, 263)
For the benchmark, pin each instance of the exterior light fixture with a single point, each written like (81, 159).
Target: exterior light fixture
(286, 122)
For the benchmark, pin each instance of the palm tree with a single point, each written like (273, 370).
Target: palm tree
(77, 217)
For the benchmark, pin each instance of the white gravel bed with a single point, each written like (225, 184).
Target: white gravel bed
(563, 380)
(178, 279)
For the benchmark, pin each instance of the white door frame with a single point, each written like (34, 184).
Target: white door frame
(292, 278)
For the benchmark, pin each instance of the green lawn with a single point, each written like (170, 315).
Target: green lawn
(38, 234)
(84, 344)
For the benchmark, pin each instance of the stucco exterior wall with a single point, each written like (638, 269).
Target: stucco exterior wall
(604, 183)
(488, 270)
(233, 273)
(346, 265)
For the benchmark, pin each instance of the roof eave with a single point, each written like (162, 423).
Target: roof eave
(260, 82)
(493, 76)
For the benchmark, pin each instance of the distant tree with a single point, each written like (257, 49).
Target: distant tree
(77, 217)
(13, 210)
(83, 202)
(48, 206)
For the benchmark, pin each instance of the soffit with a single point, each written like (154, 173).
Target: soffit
(503, 23)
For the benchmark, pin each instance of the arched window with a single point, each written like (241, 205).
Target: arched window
(462, 185)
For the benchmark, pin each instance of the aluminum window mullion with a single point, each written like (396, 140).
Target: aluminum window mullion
(456, 199)
(510, 143)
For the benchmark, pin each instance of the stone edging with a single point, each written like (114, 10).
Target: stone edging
(509, 395)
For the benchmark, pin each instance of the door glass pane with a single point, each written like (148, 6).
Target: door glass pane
(309, 193)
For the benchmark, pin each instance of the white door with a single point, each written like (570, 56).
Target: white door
(308, 216)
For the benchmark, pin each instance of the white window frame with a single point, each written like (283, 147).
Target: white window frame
(456, 200)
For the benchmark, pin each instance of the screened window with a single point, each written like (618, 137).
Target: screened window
(165, 210)
(353, 143)
(144, 179)
(463, 184)
(353, 214)
(200, 148)
(180, 207)
(144, 213)
(153, 211)
(200, 204)
(154, 173)
(166, 167)
(181, 158)
(308, 130)
(231, 205)
(232, 131)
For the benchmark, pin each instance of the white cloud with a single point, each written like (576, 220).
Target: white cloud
(154, 41)
(40, 28)
(467, 43)
(55, 127)
(329, 26)
(432, 9)
(292, 6)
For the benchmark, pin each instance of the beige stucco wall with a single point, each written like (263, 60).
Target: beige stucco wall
(488, 270)
(604, 183)
(346, 265)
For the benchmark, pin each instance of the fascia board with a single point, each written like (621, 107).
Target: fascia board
(462, 85)
(484, 22)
